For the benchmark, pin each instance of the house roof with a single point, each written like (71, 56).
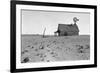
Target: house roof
(68, 27)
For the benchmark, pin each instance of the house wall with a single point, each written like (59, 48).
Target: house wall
(61, 33)
(73, 33)
(70, 33)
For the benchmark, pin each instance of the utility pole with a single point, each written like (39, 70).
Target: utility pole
(44, 32)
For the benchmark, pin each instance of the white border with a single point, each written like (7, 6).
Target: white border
(19, 65)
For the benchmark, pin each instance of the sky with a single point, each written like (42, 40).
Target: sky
(35, 21)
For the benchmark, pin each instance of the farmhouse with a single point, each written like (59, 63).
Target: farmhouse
(67, 30)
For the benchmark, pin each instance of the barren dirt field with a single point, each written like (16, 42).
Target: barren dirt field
(49, 49)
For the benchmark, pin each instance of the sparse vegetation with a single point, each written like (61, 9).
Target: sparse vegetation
(25, 60)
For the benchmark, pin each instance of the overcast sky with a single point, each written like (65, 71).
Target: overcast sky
(34, 22)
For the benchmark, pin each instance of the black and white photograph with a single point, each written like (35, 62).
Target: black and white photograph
(51, 35)
(54, 36)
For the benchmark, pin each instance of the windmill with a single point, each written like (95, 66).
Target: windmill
(75, 20)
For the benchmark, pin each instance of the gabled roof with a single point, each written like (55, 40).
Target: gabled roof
(68, 27)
